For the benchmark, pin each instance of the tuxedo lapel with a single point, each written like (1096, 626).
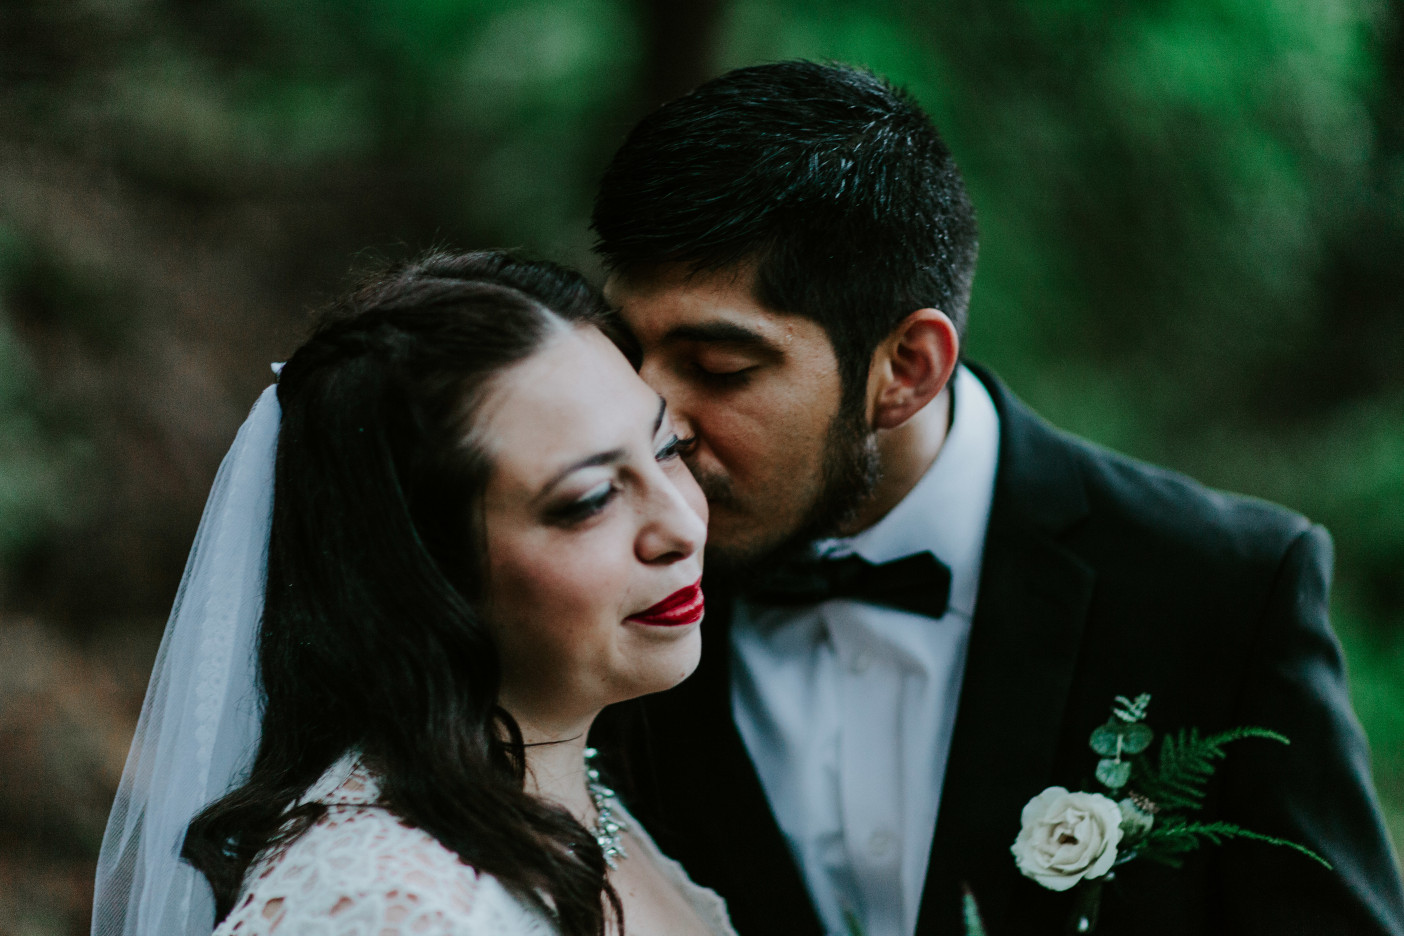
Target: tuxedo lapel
(1033, 600)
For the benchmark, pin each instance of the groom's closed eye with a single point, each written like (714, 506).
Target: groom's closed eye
(717, 363)
(721, 353)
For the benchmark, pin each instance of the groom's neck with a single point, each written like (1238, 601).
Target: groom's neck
(905, 453)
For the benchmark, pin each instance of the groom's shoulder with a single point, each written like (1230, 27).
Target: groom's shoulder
(1209, 564)
(1154, 510)
(1174, 506)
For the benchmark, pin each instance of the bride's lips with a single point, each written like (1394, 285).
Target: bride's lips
(684, 606)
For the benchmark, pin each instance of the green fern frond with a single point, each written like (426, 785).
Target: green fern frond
(1238, 734)
(1176, 837)
(1178, 779)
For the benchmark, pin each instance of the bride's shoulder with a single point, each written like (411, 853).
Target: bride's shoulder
(359, 869)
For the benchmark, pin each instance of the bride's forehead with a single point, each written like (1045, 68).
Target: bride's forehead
(577, 394)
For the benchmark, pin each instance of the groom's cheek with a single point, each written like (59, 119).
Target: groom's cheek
(715, 490)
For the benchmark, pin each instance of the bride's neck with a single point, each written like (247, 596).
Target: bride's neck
(555, 766)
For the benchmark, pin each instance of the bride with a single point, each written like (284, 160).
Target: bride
(475, 534)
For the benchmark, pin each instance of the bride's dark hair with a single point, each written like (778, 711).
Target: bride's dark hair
(370, 638)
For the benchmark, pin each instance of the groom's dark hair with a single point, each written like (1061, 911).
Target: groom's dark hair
(830, 183)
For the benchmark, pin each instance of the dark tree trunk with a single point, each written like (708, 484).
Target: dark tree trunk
(681, 39)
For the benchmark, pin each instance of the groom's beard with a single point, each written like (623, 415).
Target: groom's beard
(849, 474)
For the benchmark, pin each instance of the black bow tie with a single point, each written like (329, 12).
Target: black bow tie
(920, 583)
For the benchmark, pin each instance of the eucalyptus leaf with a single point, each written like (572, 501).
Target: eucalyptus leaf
(1117, 738)
(1136, 738)
(1104, 739)
(1113, 774)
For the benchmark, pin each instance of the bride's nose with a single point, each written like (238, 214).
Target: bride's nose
(672, 530)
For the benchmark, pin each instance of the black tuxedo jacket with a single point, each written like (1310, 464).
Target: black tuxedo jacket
(1101, 577)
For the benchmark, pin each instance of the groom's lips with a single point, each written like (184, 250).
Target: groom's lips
(684, 606)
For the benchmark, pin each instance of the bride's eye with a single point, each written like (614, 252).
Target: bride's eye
(585, 506)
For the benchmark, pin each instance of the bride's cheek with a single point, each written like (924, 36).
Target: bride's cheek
(594, 560)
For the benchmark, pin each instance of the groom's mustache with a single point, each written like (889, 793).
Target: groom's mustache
(716, 487)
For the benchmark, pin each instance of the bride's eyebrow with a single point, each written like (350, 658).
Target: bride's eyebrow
(599, 458)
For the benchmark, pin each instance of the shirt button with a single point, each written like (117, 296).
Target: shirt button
(862, 662)
(880, 843)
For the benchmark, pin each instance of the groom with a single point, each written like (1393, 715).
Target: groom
(793, 248)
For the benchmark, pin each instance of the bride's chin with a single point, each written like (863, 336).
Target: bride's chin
(671, 668)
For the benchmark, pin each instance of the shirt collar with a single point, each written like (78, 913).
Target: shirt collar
(948, 511)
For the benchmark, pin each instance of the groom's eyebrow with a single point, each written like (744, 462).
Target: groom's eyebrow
(723, 333)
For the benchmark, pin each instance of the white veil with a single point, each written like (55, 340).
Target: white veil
(199, 725)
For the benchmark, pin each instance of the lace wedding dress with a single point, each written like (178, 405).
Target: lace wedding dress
(359, 870)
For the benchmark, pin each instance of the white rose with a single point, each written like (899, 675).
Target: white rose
(1067, 837)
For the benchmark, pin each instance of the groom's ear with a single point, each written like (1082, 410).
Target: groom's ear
(910, 367)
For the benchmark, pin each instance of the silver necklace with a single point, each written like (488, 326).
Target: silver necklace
(608, 826)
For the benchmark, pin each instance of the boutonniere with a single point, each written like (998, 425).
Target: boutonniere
(1145, 810)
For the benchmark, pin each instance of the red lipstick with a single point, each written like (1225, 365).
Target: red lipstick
(684, 606)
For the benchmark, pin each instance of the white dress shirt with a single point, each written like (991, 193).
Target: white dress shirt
(847, 708)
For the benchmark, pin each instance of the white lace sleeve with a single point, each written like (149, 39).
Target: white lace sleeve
(359, 871)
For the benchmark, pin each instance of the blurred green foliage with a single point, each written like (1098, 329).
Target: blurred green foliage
(489, 106)
(34, 452)
(1192, 219)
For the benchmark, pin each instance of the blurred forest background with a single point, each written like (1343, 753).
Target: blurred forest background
(1193, 251)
